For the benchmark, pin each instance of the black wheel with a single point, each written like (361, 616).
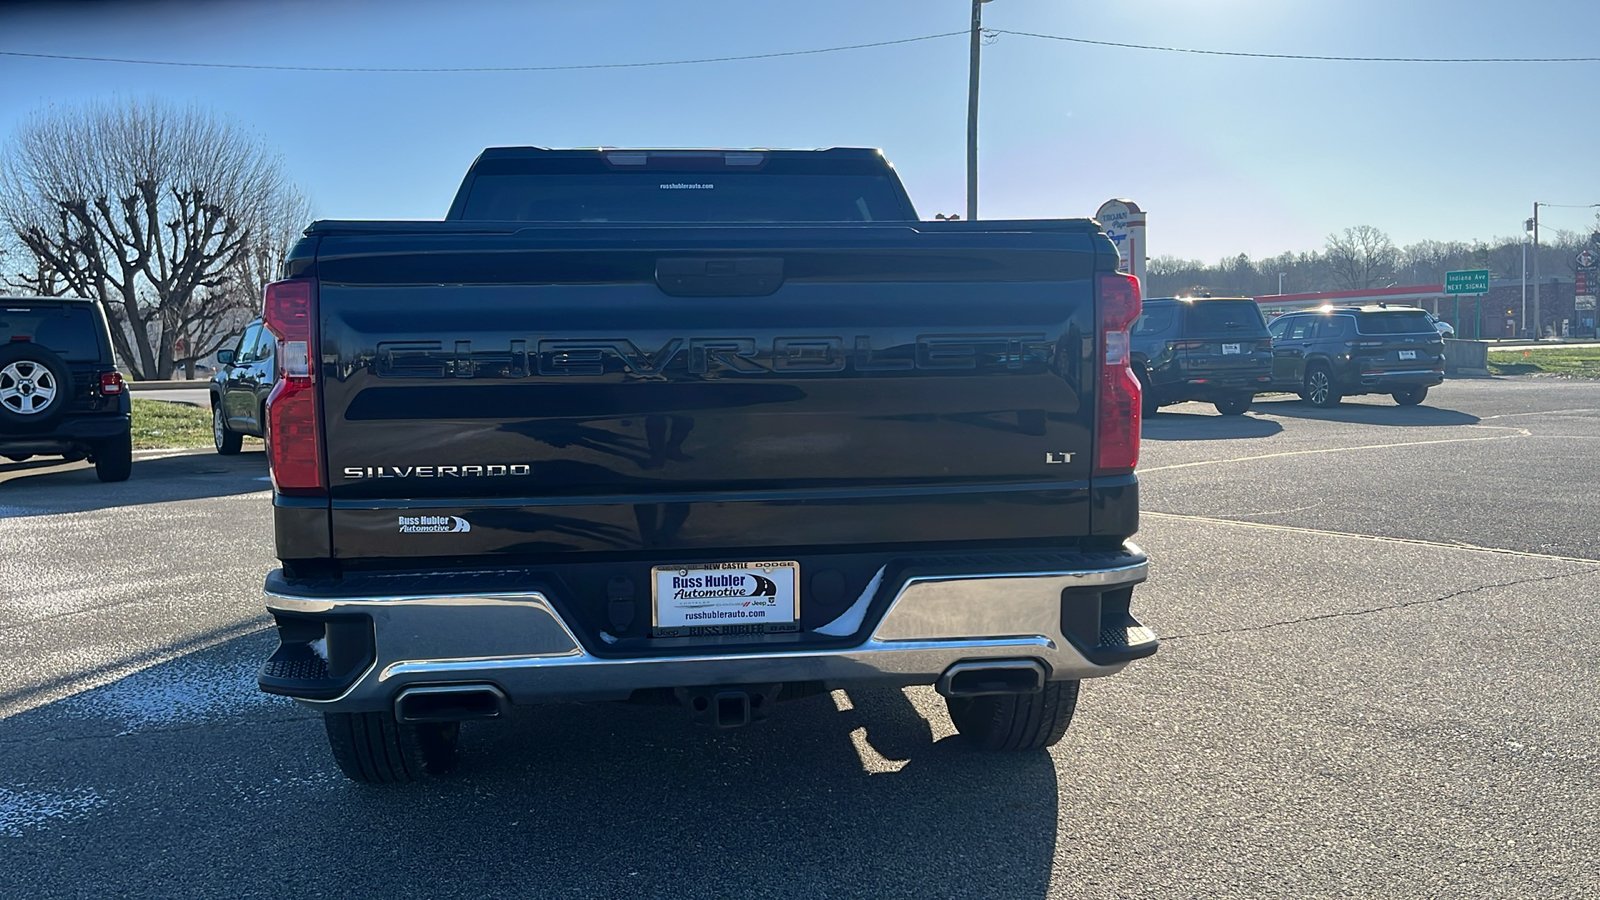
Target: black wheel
(1148, 405)
(1016, 721)
(227, 442)
(1411, 396)
(1234, 406)
(35, 386)
(375, 749)
(113, 458)
(1320, 391)
(21, 457)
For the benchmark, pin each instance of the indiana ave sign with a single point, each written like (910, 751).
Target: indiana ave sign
(1467, 281)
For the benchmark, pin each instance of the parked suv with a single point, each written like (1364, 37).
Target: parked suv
(1330, 353)
(60, 391)
(240, 387)
(1214, 349)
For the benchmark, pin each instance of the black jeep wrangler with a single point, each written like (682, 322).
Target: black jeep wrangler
(60, 391)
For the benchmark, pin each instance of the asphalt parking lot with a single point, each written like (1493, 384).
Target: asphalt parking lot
(1378, 679)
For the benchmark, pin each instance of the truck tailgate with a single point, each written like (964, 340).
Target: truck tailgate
(544, 390)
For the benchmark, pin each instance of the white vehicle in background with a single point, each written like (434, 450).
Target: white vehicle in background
(1444, 328)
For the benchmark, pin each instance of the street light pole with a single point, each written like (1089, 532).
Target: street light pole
(1280, 284)
(1538, 326)
(972, 110)
(1527, 229)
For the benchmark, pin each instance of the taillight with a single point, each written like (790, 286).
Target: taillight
(294, 446)
(111, 384)
(1116, 449)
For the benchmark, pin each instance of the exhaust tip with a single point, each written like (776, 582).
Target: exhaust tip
(978, 679)
(449, 703)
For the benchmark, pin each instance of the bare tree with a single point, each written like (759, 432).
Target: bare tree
(282, 226)
(259, 265)
(1505, 258)
(1426, 262)
(159, 212)
(1361, 257)
(25, 273)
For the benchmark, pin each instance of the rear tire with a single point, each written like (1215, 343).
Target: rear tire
(113, 458)
(227, 442)
(1320, 391)
(1234, 406)
(1148, 406)
(1016, 721)
(21, 457)
(373, 748)
(1410, 396)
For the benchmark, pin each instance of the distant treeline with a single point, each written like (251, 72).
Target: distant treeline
(1361, 257)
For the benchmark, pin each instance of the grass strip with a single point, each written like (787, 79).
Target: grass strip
(160, 425)
(1574, 362)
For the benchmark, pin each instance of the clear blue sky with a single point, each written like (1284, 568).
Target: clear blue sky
(1228, 155)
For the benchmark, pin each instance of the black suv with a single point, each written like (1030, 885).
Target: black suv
(1330, 353)
(60, 391)
(239, 389)
(1214, 349)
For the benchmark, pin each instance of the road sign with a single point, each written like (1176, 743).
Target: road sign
(1586, 258)
(1467, 281)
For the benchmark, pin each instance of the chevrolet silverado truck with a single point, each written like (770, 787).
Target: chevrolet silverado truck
(715, 428)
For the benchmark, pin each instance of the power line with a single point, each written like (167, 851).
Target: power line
(468, 69)
(1303, 56)
(719, 59)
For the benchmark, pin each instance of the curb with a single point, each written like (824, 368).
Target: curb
(195, 385)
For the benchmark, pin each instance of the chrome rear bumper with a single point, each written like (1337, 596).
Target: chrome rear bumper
(520, 644)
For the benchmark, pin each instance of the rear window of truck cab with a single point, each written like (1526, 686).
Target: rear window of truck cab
(668, 196)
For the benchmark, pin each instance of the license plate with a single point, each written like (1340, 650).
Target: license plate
(1229, 349)
(1408, 354)
(725, 598)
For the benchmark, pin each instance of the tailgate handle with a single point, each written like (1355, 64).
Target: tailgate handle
(722, 276)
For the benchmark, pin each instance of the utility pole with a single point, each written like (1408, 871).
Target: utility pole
(972, 110)
(1280, 284)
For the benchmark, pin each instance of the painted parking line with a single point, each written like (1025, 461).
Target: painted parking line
(1382, 539)
(1515, 433)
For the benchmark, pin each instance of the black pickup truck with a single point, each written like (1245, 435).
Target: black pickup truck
(718, 428)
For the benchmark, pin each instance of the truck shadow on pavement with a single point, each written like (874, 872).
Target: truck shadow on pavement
(1373, 409)
(1194, 426)
(238, 796)
(41, 487)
